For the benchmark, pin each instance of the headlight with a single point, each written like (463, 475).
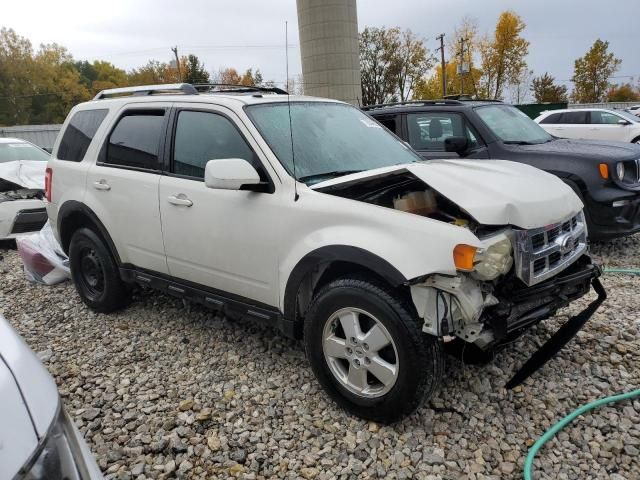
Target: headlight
(58, 456)
(485, 263)
(620, 170)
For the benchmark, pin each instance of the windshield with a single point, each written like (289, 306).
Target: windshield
(329, 139)
(512, 125)
(10, 152)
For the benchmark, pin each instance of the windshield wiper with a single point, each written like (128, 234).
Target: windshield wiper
(518, 142)
(320, 176)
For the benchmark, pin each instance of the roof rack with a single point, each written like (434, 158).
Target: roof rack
(448, 100)
(413, 102)
(235, 88)
(184, 88)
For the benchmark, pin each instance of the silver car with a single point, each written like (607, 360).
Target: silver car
(38, 441)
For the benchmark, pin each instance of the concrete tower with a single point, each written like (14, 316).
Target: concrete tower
(329, 49)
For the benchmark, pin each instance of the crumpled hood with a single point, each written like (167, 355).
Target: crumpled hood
(494, 192)
(26, 173)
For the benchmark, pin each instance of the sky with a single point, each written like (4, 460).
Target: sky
(251, 33)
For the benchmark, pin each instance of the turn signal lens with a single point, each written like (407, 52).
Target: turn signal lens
(463, 256)
(604, 171)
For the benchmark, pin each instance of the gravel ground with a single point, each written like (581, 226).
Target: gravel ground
(165, 390)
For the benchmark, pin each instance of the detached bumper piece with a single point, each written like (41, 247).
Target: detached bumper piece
(29, 220)
(560, 338)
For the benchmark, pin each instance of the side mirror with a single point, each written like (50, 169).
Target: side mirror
(456, 144)
(623, 122)
(230, 174)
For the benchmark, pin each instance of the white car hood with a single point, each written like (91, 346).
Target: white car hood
(494, 192)
(26, 173)
(36, 384)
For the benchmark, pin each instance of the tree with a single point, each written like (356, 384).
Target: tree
(519, 87)
(430, 87)
(412, 62)
(503, 55)
(623, 93)
(378, 63)
(16, 78)
(545, 90)
(193, 70)
(250, 78)
(229, 76)
(592, 73)
(154, 72)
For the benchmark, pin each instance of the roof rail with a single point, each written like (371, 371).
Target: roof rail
(230, 87)
(184, 88)
(412, 102)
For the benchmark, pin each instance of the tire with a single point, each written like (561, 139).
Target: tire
(95, 273)
(417, 359)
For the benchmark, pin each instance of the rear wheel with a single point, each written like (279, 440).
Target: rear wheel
(368, 351)
(95, 273)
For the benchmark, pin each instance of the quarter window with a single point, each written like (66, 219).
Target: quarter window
(79, 133)
(553, 118)
(428, 131)
(204, 136)
(135, 140)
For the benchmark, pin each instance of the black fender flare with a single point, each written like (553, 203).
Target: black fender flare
(73, 207)
(332, 253)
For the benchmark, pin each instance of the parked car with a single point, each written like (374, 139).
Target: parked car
(591, 124)
(635, 110)
(38, 439)
(22, 168)
(332, 231)
(605, 175)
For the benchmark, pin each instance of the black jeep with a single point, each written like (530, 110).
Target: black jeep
(606, 175)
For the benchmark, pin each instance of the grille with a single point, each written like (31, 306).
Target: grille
(543, 252)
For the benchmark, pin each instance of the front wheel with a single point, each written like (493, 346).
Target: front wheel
(368, 351)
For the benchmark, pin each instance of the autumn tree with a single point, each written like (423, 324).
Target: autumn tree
(251, 78)
(545, 90)
(16, 78)
(623, 93)
(193, 70)
(153, 73)
(430, 87)
(411, 62)
(229, 76)
(503, 55)
(592, 72)
(378, 64)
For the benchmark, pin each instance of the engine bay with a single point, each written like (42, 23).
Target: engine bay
(405, 192)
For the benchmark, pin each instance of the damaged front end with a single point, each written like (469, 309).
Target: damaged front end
(520, 274)
(22, 206)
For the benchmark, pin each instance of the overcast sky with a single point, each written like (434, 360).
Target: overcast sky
(251, 33)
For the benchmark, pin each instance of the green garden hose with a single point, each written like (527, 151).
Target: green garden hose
(549, 434)
(528, 464)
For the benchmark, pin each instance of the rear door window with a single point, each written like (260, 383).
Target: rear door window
(135, 140)
(79, 133)
(574, 118)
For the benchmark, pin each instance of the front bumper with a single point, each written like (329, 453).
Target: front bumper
(607, 221)
(521, 306)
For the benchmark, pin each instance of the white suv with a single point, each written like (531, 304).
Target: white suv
(309, 215)
(591, 124)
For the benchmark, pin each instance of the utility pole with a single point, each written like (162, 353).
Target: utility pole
(443, 65)
(175, 52)
(461, 65)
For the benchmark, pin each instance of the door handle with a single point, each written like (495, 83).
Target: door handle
(101, 185)
(180, 199)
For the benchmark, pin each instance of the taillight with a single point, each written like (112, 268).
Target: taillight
(48, 183)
